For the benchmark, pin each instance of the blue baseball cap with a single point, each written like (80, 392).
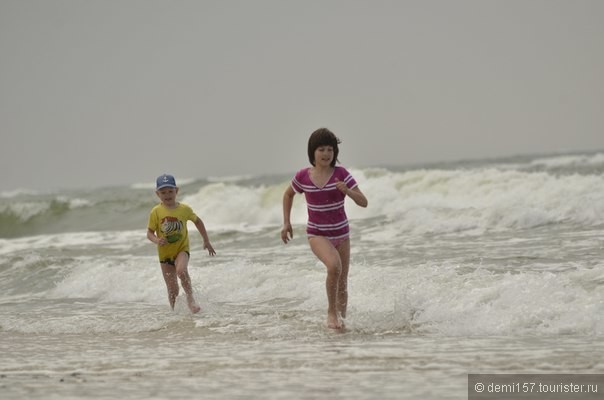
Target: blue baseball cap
(165, 180)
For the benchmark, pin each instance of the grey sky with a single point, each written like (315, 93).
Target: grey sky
(100, 92)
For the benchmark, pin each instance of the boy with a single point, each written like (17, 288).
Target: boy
(167, 228)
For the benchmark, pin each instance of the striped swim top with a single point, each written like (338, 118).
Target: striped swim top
(326, 214)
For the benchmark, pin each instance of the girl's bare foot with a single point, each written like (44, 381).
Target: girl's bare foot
(333, 322)
(193, 306)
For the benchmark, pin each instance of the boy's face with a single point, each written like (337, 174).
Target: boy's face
(167, 195)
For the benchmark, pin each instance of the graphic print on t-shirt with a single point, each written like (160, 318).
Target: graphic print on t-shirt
(171, 227)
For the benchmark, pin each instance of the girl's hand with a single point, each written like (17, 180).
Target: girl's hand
(354, 193)
(162, 241)
(287, 233)
(341, 186)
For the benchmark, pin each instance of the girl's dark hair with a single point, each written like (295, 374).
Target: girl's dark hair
(323, 137)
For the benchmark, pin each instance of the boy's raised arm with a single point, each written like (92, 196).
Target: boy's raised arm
(204, 234)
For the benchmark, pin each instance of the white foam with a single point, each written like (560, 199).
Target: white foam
(113, 280)
(115, 240)
(385, 297)
(240, 207)
(458, 200)
(425, 201)
(443, 300)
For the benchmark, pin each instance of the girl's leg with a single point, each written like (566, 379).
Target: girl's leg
(182, 271)
(344, 252)
(169, 273)
(329, 256)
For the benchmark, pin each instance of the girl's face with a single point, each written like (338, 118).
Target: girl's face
(323, 156)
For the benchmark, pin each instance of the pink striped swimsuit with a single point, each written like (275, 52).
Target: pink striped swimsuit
(326, 215)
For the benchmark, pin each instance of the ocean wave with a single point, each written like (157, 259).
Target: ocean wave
(17, 192)
(27, 215)
(570, 160)
(426, 299)
(454, 200)
(426, 201)
(417, 201)
(18, 218)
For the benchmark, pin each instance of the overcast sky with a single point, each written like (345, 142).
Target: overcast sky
(104, 92)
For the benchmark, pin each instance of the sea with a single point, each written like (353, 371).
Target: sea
(469, 267)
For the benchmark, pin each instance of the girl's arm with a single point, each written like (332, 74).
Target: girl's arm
(287, 232)
(358, 196)
(354, 193)
(204, 234)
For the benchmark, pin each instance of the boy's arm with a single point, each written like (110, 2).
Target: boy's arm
(153, 237)
(287, 232)
(204, 234)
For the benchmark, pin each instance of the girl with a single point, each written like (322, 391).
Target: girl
(325, 187)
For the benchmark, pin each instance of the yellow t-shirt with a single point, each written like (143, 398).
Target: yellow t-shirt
(171, 224)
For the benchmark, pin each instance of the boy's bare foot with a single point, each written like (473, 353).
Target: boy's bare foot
(333, 322)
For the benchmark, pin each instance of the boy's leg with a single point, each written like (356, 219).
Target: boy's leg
(182, 270)
(329, 256)
(344, 252)
(169, 274)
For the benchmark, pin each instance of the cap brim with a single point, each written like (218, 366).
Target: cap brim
(165, 186)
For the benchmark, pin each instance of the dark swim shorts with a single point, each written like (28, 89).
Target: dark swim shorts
(172, 261)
